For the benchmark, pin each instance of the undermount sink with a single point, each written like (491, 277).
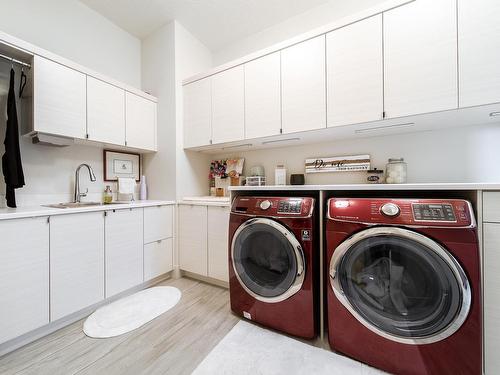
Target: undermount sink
(78, 204)
(73, 204)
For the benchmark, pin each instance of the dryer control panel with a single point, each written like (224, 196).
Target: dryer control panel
(417, 212)
(273, 206)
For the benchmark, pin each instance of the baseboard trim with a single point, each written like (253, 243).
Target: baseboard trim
(206, 279)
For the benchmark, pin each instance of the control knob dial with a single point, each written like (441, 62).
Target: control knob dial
(264, 205)
(390, 210)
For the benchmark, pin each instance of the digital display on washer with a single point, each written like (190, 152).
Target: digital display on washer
(433, 212)
(290, 207)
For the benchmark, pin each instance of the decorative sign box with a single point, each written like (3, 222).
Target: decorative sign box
(356, 163)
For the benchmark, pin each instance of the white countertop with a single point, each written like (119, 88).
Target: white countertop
(17, 213)
(206, 201)
(374, 187)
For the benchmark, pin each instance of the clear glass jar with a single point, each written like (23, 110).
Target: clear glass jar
(396, 171)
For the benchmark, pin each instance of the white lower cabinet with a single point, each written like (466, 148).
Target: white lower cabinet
(491, 297)
(76, 262)
(218, 226)
(24, 276)
(158, 258)
(124, 250)
(203, 233)
(193, 239)
(53, 267)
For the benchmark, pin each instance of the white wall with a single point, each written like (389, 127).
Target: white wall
(304, 22)
(73, 31)
(192, 168)
(158, 77)
(169, 55)
(469, 154)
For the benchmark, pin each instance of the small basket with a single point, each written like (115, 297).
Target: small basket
(256, 181)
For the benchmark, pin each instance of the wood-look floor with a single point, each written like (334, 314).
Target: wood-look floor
(174, 343)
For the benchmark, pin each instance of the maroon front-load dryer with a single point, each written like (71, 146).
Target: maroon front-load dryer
(272, 258)
(404, 291)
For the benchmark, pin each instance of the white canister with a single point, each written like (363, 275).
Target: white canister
(396, 171)
(280, 175)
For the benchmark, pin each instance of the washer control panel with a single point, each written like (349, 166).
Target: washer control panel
(290, 206)
(419, 212)
(273, 206)
(433, 212)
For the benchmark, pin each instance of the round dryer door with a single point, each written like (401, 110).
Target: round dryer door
(267, 260)
(401, 285)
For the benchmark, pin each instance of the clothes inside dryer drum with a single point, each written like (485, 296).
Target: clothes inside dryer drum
(400, 286)
(264, 260)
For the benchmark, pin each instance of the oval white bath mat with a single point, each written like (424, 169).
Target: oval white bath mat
(131, 312)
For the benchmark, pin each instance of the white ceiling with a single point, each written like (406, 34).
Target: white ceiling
(216, 23)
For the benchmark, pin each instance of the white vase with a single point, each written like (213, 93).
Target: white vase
(143, 195)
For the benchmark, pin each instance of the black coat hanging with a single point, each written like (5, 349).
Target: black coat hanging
(11, 159)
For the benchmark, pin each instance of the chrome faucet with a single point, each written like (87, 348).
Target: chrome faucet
(79, 195)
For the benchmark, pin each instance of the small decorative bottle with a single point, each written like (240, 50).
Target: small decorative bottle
(143, 190)
(108, 195)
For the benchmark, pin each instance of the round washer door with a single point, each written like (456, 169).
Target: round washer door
(401, 285)
(267, 260)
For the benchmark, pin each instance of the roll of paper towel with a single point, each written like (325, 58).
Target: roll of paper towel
(126, 185)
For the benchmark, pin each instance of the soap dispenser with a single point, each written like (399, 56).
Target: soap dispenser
(108, 195)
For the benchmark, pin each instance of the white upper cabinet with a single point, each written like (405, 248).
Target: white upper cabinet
(479, 52)
(124, 250)
(198, 113)
(303, 86)
(228, 105)
(355, 73)
(140, 120)
(263, 96)
(24, 276)
(59, 99)
(105, 112)
(420, 58)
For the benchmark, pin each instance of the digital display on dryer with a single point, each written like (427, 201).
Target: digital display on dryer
(290, 207)
(433, 212)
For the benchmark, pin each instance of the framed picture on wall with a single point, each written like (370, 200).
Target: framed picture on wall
(121, 164)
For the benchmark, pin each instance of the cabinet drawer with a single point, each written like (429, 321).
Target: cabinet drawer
(491, 206)
(158, 223)
(157, 258)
